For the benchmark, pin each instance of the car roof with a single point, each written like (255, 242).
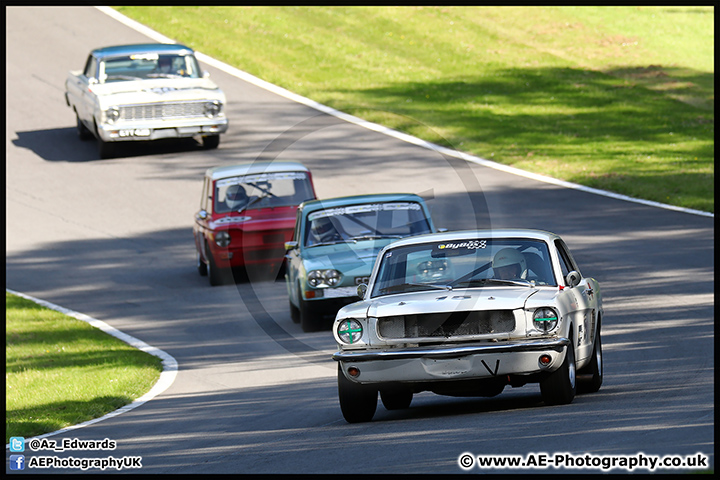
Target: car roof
(139, 48)
(461, 235)
(313, 205)
(253, 168)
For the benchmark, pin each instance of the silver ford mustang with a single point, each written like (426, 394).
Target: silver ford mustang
(467, 314)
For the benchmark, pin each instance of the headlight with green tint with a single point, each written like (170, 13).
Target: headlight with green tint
(545, 319)
(350, 331)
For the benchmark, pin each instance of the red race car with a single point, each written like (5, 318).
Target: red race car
(247, 213)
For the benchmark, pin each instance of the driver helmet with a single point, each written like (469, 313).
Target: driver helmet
(323, 229)
(235, 196)
(164, 64)
(507, 257)
(434, 270)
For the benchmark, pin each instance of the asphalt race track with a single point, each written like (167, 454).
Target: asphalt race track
(253, 393)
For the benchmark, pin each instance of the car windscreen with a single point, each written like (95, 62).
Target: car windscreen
(463, 264)
(146, 66)
(367, 221)
(278, 189)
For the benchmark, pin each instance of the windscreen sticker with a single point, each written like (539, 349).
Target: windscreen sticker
(470, 245)
(261, 177)
(144, 56)
(376, 207)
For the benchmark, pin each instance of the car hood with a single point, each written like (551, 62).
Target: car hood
(357, 257)
(157, 90)
(435, 301)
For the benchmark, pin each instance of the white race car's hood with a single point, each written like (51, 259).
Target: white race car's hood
(354, 310)
(157, 90)
(435, 301)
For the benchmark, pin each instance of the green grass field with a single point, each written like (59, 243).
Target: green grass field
(60, 371)
(616, 98)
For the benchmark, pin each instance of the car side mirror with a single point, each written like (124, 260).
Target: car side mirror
(573, 278)
(290, 246)
(206, 74)
(361, 290)
(202, 214)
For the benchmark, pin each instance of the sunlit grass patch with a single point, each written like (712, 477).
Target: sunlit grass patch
(61, 371)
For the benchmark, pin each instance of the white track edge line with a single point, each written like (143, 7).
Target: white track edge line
(388, 131)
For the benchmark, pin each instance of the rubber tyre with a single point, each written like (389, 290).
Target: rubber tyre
(559, 387)
(308, 315)
(594, 370)
(294, 313)
(201, 266)
(211, 142)
(216, 275)
(396, 398)
(357, 402)
(106, 149)
(83, 132)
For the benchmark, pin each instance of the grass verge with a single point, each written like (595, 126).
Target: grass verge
(616, 98)
(61, 371)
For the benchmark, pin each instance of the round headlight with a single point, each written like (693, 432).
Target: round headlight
(222, 239)
(332, 277)
(350, 331)
(314, 278)
(112, 114)
(212, 109)
(324, 278)
(545, 319)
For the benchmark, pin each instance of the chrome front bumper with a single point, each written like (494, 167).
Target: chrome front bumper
(155, 131)
(462, 362)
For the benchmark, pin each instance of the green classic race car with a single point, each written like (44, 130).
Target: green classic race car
(334, 247)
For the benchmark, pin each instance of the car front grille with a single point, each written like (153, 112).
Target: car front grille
(162, 111)
(446, 324)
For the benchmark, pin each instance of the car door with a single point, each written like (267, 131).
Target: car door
(585, 302)
(75, 86)
(201, 217)
(293, 260)
(87, 98)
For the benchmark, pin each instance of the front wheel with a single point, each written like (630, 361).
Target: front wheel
(83, 132)
(210, 142)
(559, 387)
(308, 314)
(294, 313)
(357, 402)
(106, 149)
(216, 275)
(201, 266)
(594, 369)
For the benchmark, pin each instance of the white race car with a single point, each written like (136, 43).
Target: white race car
(467, 314)
(145, 92)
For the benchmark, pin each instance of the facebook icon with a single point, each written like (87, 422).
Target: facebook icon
(17, 462)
